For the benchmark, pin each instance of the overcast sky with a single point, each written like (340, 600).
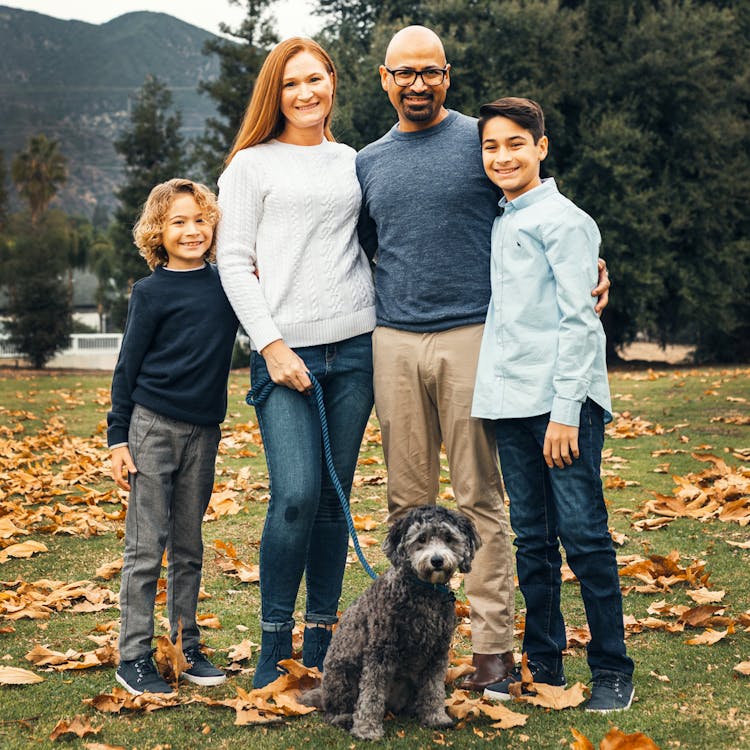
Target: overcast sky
(294, 16)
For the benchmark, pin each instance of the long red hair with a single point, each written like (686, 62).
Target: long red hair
(263, 119)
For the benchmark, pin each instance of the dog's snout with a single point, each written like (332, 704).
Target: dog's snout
(436, 561)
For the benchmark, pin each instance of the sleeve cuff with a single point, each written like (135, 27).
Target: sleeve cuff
(566, 411)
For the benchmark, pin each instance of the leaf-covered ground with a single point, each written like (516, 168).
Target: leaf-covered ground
(677, 482)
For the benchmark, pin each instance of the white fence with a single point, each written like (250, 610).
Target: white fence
(87, 351)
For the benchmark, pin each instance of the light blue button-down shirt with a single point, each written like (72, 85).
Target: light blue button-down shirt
(543, 348)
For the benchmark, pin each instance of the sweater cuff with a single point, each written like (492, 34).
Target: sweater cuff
(117, 445)
(566, 411)
(263, 335)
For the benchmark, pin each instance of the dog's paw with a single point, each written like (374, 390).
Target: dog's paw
(367, 731)
(343, 721)
(438, 720)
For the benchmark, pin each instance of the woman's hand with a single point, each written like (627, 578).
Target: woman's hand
(602, 287)
(122, 460)
(560, 445)
(285, 367)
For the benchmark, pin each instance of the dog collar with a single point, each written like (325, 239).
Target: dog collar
(439, 588)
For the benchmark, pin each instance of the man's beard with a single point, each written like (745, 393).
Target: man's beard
(422, 114)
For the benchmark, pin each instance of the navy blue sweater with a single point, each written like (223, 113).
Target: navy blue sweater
(427, 212)
(176, 350)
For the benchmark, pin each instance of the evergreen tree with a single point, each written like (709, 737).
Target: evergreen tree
(239, 61)
(41, 318)
(154, 151)
(34, 273)
(3, 193)
(38, 172)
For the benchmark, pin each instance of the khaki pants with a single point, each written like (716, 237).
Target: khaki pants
(424, 384)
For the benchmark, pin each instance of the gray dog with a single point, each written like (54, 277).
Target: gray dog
(390, 650)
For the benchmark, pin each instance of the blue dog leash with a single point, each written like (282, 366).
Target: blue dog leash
(258, 394)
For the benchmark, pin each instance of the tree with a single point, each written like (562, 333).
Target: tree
(3, 193)
(154, 151)
(41, 317)
(239, 61)
(35, 275)
(38, 172)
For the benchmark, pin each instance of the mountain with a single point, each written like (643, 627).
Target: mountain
(76, 81)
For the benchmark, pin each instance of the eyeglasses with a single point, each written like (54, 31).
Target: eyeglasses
(430, 77)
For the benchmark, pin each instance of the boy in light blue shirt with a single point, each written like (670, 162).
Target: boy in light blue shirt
(542, 375)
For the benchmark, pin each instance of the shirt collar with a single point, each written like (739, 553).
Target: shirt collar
(547, 188)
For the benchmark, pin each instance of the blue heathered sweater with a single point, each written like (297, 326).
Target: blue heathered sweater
(176, 350)
(427, 214)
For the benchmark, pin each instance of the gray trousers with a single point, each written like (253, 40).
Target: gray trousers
(169, 495)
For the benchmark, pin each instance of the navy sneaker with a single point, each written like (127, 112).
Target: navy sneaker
(140, 676)
(610, 691)
(200, 671)
(500, 691)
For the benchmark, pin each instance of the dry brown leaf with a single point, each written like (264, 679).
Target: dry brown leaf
(169, 656)
(582, 742)
(743, 668)
(660, 677)
(741, 545)
(120, 699)
(453, 673)
(708, 637)
(460, 704)
(209, 620)
(700, 616)
(242, 651)
(557, 698)
(503, 717)
(617, 740)
(102, 746)
(18, 676)
(79, 726)
(364, 523)
(109, 570)
(22, 549)
(704, 596)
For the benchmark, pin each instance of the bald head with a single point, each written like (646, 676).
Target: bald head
(414, 41)
(416, 53)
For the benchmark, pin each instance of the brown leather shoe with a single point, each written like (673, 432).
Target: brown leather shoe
(490, 668)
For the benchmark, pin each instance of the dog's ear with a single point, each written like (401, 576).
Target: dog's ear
(392, 546)
(473, 541)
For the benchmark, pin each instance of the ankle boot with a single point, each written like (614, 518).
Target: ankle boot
(275, 646)
(315, 645)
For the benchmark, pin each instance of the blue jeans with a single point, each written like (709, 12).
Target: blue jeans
(168, 497)
(305, 530)
(553, 506)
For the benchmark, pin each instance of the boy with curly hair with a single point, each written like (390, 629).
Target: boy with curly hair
(169, 396)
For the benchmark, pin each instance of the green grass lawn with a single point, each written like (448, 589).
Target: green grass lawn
(688, 696)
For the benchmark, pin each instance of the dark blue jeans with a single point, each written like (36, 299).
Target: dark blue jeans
(305, 530)
(553, 506)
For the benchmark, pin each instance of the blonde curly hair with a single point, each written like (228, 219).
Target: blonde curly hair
(149, 228)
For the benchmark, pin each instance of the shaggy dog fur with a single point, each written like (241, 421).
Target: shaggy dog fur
(390, 650)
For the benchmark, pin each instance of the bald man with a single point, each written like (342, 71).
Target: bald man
(427, 216)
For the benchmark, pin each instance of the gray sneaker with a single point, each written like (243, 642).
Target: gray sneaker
(200, 671)
(140, 676)
(611, 691)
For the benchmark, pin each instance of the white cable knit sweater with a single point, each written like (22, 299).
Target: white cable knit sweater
(291, 213)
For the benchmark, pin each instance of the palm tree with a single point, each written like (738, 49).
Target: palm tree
(38, 173)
